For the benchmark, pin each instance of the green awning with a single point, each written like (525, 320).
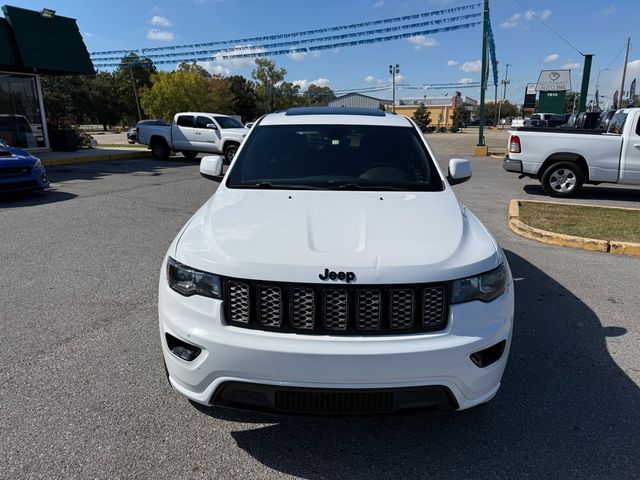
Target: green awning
(38, 44)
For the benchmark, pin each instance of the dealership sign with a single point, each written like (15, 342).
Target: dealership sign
(554, 80)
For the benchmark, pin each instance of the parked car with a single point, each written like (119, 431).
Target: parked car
(476, 123)
(132, 133)
(314, 282)
(565, 160)
(249, 125)
(20, 171)
(194, 132)
(517, 122)
(558, 120)
(16, 130)
(588, 120)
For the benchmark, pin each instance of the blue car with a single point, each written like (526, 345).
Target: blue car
(20, 171)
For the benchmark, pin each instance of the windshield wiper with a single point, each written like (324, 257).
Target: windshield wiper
(281, 186)
(357, 186)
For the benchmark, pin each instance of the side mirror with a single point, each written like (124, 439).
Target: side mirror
(212, 126)
(459, 171)
(211, 167)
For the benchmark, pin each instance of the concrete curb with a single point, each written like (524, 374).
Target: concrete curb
(571, 241)
(54, 162)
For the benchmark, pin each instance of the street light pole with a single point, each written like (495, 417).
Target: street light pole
(505, 82)
(598, 83)
(481, 148)
(394, 71)
(624, 73)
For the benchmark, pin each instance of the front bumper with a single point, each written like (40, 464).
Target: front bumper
(38, 180)
(328, 363)
(511, 165)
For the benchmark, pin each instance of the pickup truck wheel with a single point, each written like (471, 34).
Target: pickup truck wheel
(160, 150)
(230, 152)
(189, 155)
(562, 179)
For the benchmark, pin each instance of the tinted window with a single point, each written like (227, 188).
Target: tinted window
(535, 116)
(350, 157)
(228, 122)
(185, 120)
(617, 123)
(202, 122)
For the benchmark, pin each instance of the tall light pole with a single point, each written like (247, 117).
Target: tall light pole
(505, 82)
(624, 73)
(481, 148)
(394, 71)
(598, 83)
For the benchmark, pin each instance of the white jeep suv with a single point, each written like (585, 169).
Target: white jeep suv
(335, 272)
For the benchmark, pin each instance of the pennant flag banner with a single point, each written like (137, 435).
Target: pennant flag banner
(195, 46)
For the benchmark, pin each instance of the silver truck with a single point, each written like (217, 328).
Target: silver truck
(192, 133)
(564, 159)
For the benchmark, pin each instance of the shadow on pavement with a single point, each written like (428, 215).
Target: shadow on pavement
(28, 199)
(593, 193)
(565, 410)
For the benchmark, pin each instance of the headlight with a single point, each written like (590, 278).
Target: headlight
(188, 281)
(38, 164)
(485, 287)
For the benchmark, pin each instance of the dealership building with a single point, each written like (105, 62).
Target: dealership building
(33, 44)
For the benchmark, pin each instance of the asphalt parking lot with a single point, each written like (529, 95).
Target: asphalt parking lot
(84, 393)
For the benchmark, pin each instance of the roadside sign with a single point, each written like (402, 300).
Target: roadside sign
(554, 81)
(531, 88)
(552, 102)
(530, 96)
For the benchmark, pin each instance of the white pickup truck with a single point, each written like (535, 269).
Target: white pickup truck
(563, 159)
(192, 133)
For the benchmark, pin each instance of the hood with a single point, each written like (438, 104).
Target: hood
(236, 132)
(16, 157)
(383, 237)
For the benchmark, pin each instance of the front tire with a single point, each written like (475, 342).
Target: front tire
(562, 179)
(230, 152)
(160, 150)
(189, 155)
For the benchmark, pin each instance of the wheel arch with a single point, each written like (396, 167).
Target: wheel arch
(565, 157)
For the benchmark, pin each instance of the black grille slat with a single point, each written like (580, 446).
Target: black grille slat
(336, 309)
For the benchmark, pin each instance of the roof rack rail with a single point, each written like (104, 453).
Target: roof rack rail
(369, 112)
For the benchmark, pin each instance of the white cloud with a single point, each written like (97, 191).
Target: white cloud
(474, 66)
(296, 55)
(571, 65)
(230, 64)
(529, 15)
(378, 4)
(634, 65)
(160, 21)
(369, 78)
(319, 82)
(465, 80)
(451, 63)
(610, 10)
(161, 35)
(552, 57)
(87, 34)
(512, 22)
(420, 42)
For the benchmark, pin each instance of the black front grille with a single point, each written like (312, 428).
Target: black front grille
(330, 401)
(11, 172)
(335, 309)
(18, 185)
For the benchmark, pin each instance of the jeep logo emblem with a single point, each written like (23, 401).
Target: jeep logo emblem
(342, 276)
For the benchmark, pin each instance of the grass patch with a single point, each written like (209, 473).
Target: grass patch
(583, 221)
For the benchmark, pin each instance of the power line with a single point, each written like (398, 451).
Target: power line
(535, 15)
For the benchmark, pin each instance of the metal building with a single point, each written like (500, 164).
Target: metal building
(358, 100)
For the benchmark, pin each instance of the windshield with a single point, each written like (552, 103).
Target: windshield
(348, 157)
(228, 122)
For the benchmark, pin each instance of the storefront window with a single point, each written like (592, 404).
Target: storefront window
(20, 116)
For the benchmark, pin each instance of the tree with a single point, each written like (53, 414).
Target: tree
(422, 115)
(507, 109)
(316, 95)
(244, 98)
(176, 92)
(460, 118)
(193, 67)
(103, 106)
(267, 76)
(287, 95)
(137, 70)
(221, 95)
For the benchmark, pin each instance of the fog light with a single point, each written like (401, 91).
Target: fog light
(490, 355)
(183, 350)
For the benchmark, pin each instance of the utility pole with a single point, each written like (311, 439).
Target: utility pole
(481, 148)
(598, 83)
(135, 93)
(624, 73)
(505, 82)
(394, 71)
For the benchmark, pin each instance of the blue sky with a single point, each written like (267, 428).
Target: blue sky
(598, 27)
